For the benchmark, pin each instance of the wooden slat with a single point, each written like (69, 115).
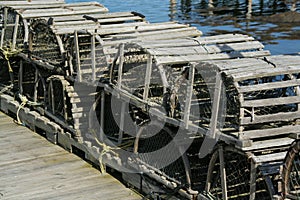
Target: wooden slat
(239, 46)
(95, 15)
(66, 12)
(236, 64)
(70, 30)
(289, 116)
(221, 39)
(251, 66)
(155, 36)
(32, 3)
(58, 10)
(265, 144)
(71, 23)
(143, 28)
(54, 7)
(287, 68)
(172, 42)
(195, 58)
(270, 132)
(161, 32)
(226, 36)
(101, 29)
(28, 5)
(209, 49)
(269, 86)
(271, 101)
(270, 157)
(207, 40)
(284, 60)
(256, 68)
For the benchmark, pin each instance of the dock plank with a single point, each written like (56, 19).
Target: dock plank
(33, 168)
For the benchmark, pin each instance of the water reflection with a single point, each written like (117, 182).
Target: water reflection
(258, 18)
(173, 9)
(261, 7)
(272, 21)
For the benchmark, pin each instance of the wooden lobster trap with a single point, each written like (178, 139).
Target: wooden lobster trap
(17, 36)
(223, 93)
(249, 106)
(18, 16)
(75, 47)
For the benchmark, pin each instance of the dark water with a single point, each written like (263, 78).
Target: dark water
(269, 21)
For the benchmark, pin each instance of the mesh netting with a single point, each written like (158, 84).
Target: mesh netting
(86, 56)
(270, 93)
(291, 174)
(44, 43)
(9, 31)
(56, 100)
(294, 183)
(176, 169)
(237, 178)
(198, 166)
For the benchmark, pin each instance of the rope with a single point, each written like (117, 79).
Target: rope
(105, 149)
(7, 54)
(24, 101)
(6, 88)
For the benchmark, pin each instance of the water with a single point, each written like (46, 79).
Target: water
(226, 17)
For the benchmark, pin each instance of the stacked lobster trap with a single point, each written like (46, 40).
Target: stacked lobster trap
(196, 117)
(249, 105)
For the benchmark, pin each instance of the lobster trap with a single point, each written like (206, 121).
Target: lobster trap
(213, 116)
(249, 106)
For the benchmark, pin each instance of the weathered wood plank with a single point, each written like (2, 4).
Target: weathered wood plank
(156, 36)
(287, 68)
(136, 21)
(279, 61)
(209, 49)
(104, 30)
(269, 132)
(269, 86)
(32, 3)
(228, 65)
(265, 144)
(288, 116)
(270, 157)
(162, 32)
(284, 60)
(62, 12)
(28, 5)
(195, 58)
(98, 16)
(209, 40)
(32, 168)
(271, 101)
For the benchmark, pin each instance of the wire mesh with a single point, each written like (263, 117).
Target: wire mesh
(56, 99)
(176, 169)
(44, 42)
(294, 183)
(270, 93)
(237, 178)
(293, 172)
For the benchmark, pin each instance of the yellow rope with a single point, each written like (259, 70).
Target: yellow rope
(24, 101)
(105, 149)
(6, 88)
(7, 54)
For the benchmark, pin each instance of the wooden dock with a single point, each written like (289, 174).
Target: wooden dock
(33, 168)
